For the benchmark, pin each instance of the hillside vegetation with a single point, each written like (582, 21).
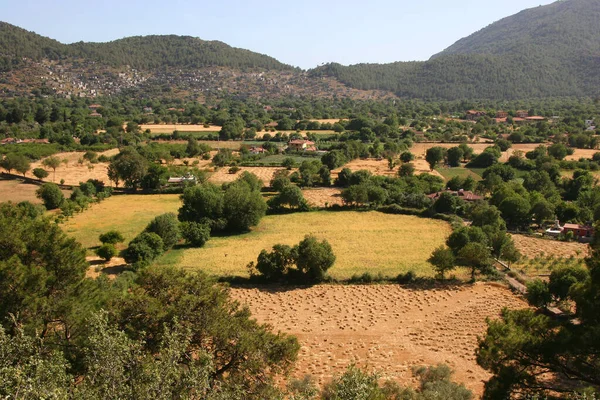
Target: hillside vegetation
(148, 52)
(546, 51)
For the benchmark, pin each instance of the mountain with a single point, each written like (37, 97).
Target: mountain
(551, 50)
(561, 29)
(147, 52)
(547, 51)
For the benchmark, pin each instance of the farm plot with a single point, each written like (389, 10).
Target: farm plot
(384, 328)
(381, 168)
(17, 191)
(222, 175)
(73, 172)
(323, 197)
(169, 128)
(362, 242)
(129, 214)
(533, 247)
(582, 153)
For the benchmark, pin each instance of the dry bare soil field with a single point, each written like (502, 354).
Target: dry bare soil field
(362, 242)
(384, 328)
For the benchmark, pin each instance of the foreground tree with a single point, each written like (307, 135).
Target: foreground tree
(531, 353)
(39, 269)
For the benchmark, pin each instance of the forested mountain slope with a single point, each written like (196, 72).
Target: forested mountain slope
(147, 52)
(551, 50)
(547, 51)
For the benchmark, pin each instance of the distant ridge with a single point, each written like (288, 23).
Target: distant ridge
(141, 52)
(551, 50)
(546, 51)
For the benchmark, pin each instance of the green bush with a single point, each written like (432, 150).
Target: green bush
(106, 251)
(40, 173)
(167, 227)
(111, 237)
(194, 233)
(51, 195)
(144, 249)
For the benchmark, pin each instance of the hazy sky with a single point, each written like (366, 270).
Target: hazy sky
(303, 33)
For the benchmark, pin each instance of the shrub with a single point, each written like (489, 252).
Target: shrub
(106, 251)
(111, 237)
(234, 170)
(40, 173)
(167, 227)
(314, 258)
(194, 233)
(144, 249)
(51, 195)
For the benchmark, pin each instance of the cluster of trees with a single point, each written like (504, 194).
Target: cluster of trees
(361, 188)
(531, 353)
(232, 208)
(289, 196)
(475, 247)
(156, 333)
(92, 191)
(306, 262)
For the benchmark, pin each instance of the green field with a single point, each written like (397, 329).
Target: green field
(362, 241)
(277, 159)
(449, 173)
(129, 214)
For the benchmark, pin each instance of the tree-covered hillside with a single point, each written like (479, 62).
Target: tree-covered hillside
(563, 28)
(148, 52)
(547, 51)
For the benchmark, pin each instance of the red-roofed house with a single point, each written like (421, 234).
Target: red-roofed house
(522, 114)
(501, 114)
(580, 231)
(474, 114)
(302, 145)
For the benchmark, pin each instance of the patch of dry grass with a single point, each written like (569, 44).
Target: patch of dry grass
(17, 191)
(129, 214)
(362, 242)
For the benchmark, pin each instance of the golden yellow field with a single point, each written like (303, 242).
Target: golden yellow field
(73, 172)
(362, 241)
(169, 128)
(129, 214)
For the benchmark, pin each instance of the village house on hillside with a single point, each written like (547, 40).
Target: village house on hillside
(301, 145)
(581, 232)
(472, 115)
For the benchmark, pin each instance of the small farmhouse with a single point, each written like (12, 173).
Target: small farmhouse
(302, 145)
(581, 232)
(475, 114)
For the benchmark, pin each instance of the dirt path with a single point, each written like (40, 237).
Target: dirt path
(386, 328)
